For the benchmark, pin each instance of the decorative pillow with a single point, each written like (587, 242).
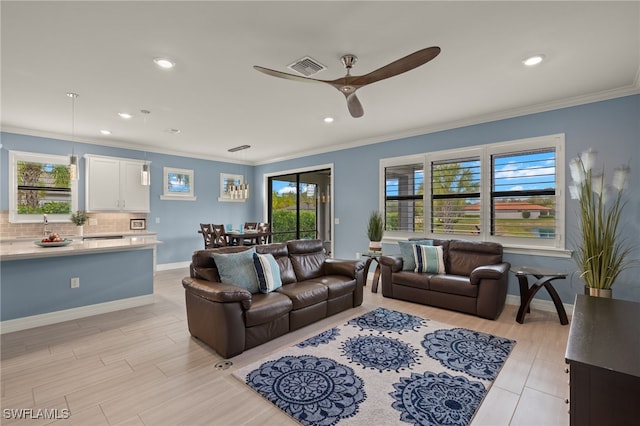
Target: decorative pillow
(429, 259)
(406, 251)
(237, 269)
(267, 271)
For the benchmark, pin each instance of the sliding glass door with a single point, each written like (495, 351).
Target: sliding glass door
(300, 206)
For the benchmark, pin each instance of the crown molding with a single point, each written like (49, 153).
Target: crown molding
(633, 89)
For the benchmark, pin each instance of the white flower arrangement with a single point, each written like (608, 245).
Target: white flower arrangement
(603, 253)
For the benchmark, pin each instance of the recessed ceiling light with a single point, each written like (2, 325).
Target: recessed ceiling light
(173, 131)
(105, 132)
(164, 63)
(533, 60)
(328, 119)
(125, 115)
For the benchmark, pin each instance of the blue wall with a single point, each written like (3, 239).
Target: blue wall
(38, 286)
(179, 220)
(612, 127)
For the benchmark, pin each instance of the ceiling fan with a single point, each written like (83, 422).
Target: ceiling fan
(348, 84)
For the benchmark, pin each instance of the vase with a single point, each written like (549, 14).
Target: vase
(375, 246)
(81, 230)
(598, 292)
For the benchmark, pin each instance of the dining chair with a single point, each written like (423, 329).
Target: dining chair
(251, 226)
(207, 232)
(219, 236)
(265, 232)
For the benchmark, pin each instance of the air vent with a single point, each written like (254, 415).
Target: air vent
(307, 66)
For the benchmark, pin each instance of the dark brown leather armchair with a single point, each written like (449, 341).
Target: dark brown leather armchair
(230, 319)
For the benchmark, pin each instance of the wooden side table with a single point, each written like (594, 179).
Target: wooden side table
(373, 256)
(544, 278)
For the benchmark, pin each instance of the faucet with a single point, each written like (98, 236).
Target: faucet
(45, 222)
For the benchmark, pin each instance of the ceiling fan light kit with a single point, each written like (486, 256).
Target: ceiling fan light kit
(349, 84)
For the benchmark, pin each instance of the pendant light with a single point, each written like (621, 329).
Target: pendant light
(73, 159)
(240, 191)
(145, 173)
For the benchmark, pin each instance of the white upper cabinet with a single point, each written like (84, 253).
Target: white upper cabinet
(113, 184)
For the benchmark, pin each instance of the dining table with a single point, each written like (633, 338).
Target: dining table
(246, 237)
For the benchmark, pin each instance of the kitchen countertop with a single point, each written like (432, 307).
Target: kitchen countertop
(26, 249)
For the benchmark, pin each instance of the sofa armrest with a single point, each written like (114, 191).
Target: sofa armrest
(349, 268)
(218, 292)
(493, 272)
(393, 262)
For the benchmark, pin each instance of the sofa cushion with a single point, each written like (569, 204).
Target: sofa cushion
(305, 293)
(336, 284)
(267, 272)
(453, 284)
(428, 259)
(266, 308)
(280, 252)
(465, 256)
(411, 279)
(237, 269)
(406, 251)
(307, 258)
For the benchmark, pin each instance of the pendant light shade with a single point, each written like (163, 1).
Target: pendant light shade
(73, 167)
(73, 159)
(145, 175)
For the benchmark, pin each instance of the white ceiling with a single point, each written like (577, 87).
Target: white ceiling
(104, 52)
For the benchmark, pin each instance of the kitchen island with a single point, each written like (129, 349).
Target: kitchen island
(45, 285)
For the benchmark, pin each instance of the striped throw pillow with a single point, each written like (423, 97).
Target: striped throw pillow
(428, 259)
(267, 272)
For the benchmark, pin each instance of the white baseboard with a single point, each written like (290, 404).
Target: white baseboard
(33, 321)
(169, 266)
(542, 305)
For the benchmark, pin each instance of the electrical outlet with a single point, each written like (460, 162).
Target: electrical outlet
(157, 220)
(93, 221)
(75, 282)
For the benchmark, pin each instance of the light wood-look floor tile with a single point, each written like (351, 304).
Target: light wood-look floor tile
(141, 367)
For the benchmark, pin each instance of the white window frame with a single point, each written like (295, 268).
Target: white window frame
(14, 217)
(551, 247)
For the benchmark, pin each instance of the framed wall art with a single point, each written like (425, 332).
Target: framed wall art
(178, 184)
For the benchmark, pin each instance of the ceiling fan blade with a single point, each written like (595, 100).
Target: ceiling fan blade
(286, 76)
(400, 66)
(354, 105)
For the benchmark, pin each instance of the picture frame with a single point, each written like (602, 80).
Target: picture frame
(227, 179)
(138, 224)
(179, 184)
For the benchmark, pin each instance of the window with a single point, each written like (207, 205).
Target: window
(404, 199)
(506, 192)
(523, 194)
(40, 184)
(455, 196)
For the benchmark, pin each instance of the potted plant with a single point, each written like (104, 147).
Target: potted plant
(602, 253)
(375, 229)
(79, 218)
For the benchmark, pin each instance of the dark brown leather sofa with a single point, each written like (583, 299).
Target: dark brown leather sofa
(475, 279)
(230, 319)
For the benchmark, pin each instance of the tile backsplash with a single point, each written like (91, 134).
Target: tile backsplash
(105, 223)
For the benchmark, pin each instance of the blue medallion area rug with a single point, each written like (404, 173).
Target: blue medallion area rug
(384, 367)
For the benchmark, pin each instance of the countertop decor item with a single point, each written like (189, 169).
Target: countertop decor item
(79, 218)
(602, 252)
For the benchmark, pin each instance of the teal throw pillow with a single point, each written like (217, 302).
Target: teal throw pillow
(406, 251)
(237, 269)
(267, 272)
(429, 259)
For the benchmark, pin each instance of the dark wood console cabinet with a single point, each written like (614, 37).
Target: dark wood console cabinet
(603, 353)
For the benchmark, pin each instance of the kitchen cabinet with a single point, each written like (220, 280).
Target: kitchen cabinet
(113, 184)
